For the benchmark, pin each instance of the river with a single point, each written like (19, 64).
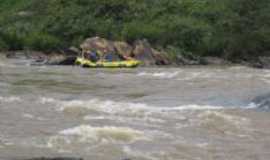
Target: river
(188, 113)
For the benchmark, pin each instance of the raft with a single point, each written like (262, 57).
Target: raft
(117, 64)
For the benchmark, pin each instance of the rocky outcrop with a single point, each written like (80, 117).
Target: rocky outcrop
(120, 50)
(263, 102)
(142, 51)
(60, 59)
(265, 62)
(64, 57)
(161, 57)
(213, 61)
(123, 49)
(98, 44)
(184, 60)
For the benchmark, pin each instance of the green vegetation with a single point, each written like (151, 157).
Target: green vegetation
(230, 29)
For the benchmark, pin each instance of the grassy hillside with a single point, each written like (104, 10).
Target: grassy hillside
(229, 29)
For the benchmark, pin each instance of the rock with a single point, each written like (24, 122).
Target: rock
(60, 59)
(213, 61)
(265, 62)
(263, 102)
(182, 60)
(161, 58)
(123, 49)
(27, 55)
(143, 52)
(98, 43)
(72, 51)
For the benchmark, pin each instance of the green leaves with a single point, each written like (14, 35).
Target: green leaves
(231, 28)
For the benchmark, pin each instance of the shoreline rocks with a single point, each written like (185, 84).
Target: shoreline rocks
(120, 50)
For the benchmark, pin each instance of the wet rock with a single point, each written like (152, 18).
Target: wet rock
(34, 57)
(72, 51)
(161, 58)
(183, 60)
(26, 55)
(123, 49)
(97, 43)
(265, 62)
(263, 102)
(143, 52)
(213, 61)
(60, 59)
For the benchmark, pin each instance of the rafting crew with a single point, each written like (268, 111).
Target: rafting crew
(102, 56)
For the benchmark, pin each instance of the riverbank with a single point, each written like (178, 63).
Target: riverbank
(140, 50)
(69, 56)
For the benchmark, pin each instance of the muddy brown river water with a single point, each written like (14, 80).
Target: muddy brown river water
(193, 113)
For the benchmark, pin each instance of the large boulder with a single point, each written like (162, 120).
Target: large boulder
(262, 102)
(123, 49)
(265, 62)
(60, 59)
(71, 51)
(143, 52)
(186, 60)
(161, 58)
(97, 43)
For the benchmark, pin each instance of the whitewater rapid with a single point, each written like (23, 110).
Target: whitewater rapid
(145, 113)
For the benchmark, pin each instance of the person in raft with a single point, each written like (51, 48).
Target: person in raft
(92, 56)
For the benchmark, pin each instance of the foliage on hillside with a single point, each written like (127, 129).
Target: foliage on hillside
(229, 29)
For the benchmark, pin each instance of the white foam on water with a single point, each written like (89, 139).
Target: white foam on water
(10, 99)
(138, 154)
(45, 100)
(163, 75)
(84, 135)
(252, 106)
(28, 116)
(139, 121)
(231, 118)
(32, 117)
(109, 106)
(224, 122)
(266, 80)
(194, 107)
(107, 133)
(124, 112)
(5, 142)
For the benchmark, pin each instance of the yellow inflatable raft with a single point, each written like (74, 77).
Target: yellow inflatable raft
(117, 64)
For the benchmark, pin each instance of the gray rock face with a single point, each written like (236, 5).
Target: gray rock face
(143, 52)
(41, 58)
(263, 102)
(123, 49)
(265, 62)
(98, 44)
(181, 60)
(140, 50)
(213, 61)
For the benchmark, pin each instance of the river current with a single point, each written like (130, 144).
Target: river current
(188, 113)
